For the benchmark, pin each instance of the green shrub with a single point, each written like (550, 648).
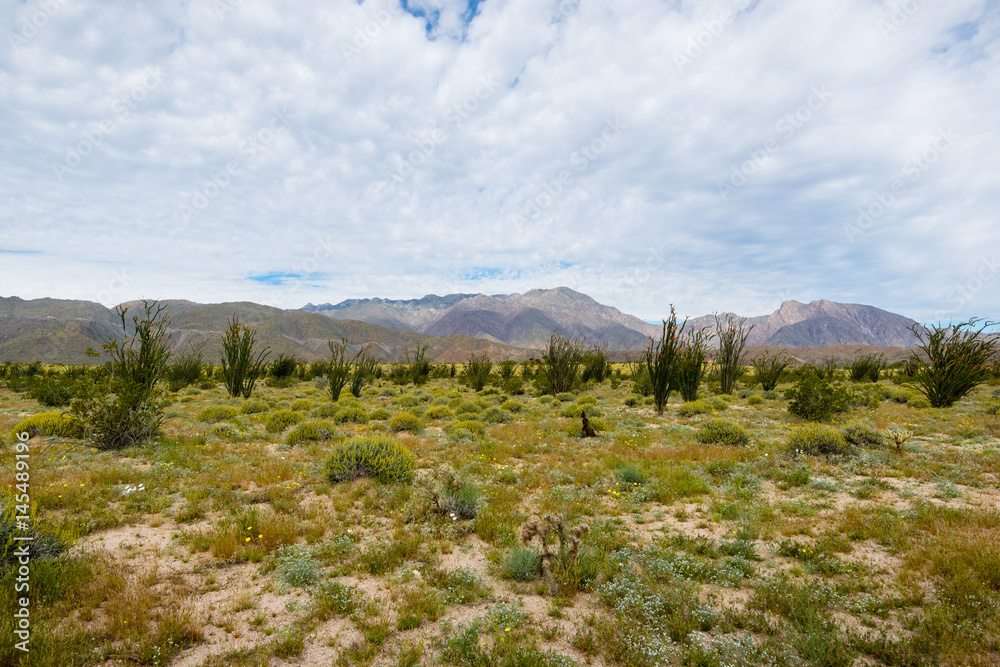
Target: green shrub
(816, 399)
(992, 408)
(296, 565)
(438, 412)
(352, 414)
(41, 545)
(663, 361)
(405, 421)
(279, 420)
(310, 430)
(818, 439)
(407, 401)
(380, 414)
(754, 400)
(473, 427)
(692, 408)
(302, 404)
(918, 402)
(324, 411)
(560, 363)
(216, 413)
(241, 365)
(958, 360)
(49, 423)
(863, 435)
(571, 410)
(496, 415)
(768, 367)
(867, 367)
(771, 395)
(227, 430)
(719, 403)
(631, 474)
(512, 406)
(522, 564)
(477, 370)
(253, 406)
(723, 432)
(575, 429)
(470, 408)
(378, 456)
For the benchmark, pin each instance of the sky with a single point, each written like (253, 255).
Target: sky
(720, 155)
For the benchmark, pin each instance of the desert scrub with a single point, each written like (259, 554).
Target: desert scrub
(818, 439)
(279, 420)
(575, 428)
(353, 414)
(521, 564)
(378, 456)
(496, 415)
(405, 421)
(863, 435)
(754, 400)
(450, 493)
(49, 423)
(302, 404)
(253, 406)
(438, 412)
(692, 408)
(380, 414)
(815, 399)
(466, 429)
(216, 413)
(324, 411)
(311, 430)
(723, 432)
(296, 566)
(40, 544)
(512, 406)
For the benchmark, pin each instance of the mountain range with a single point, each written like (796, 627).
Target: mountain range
(514, 326)
(526, 320)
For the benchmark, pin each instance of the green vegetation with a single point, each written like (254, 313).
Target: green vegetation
(477, 371)
(957, 360)
(242, 365)
(663, 360)
(732, 334)
(375, 456)
(768, 367)
(561, 363)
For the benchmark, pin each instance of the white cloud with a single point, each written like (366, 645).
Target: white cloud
(407, 153)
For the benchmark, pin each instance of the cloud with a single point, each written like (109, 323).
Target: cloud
(720, 155)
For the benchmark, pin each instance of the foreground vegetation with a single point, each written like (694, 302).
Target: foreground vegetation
(818, 522)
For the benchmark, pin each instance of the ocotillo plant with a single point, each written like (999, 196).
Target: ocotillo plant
(691, 363)
(241, 366)
(561, 362)
(362, 370)
(958, 360)
(662, 358)
(477, 370)
(768, 367)
(339, 368)
(732, 334)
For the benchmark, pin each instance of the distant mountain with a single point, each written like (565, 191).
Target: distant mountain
(525, 320)
(522, 320)
(59, 331)
(822, 323)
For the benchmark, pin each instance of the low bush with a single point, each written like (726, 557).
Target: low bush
(918, 402)
(254, 406)
(521, 564)
(496, 415)
(279, 420)
(310, 430)
(512, 406)
(380, 414)
(405, 421)
(378, 456)
(296, 565)
(754, 400)
(723, 432)
(992, 408)
(351, 414)
(816, 399)
(818, 439)
(438, 412)
(863, 435)
(49, 423)
(472, 427)
(216, 413)
(692, 408)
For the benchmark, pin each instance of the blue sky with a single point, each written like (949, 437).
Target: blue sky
(720, 155)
